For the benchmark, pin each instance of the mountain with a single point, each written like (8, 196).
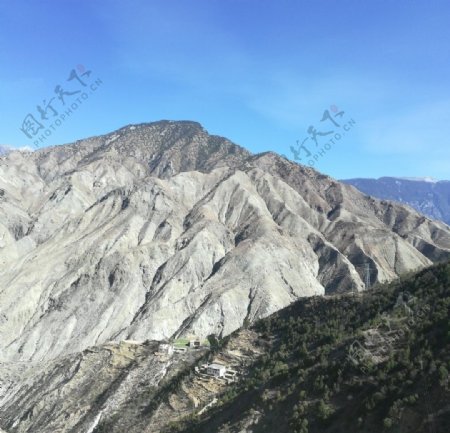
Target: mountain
(162, 230)
(377, 362)
(4, 150)
(426, 195)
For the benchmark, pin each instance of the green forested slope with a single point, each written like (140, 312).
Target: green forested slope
(376, 362)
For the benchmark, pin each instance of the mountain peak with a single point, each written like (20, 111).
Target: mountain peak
(164, 123)
(162, 230)
(162, 148)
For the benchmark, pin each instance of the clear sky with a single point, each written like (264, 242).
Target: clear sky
(259, 72)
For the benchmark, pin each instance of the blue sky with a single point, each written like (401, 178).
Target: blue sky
(258, 72)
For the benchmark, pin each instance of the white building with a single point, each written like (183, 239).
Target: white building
(216, 370)
(194, 343)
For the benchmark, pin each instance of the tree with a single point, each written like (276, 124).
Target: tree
(213, 341)
(324, 410)
(387, 422)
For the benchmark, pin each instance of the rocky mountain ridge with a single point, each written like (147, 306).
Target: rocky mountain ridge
(162, 230)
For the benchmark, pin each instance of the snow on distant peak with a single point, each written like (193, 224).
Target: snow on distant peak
(420, 179)
(4, 150)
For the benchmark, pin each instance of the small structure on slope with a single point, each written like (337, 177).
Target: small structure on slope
(216, 370)
(194, 343)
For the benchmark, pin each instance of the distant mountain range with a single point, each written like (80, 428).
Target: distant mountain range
(428, 196)
(4, 150)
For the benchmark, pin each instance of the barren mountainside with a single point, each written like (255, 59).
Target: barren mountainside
(160, 230)
(344, 363)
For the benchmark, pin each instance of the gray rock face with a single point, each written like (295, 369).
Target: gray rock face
(161, 229)
(124, 387)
